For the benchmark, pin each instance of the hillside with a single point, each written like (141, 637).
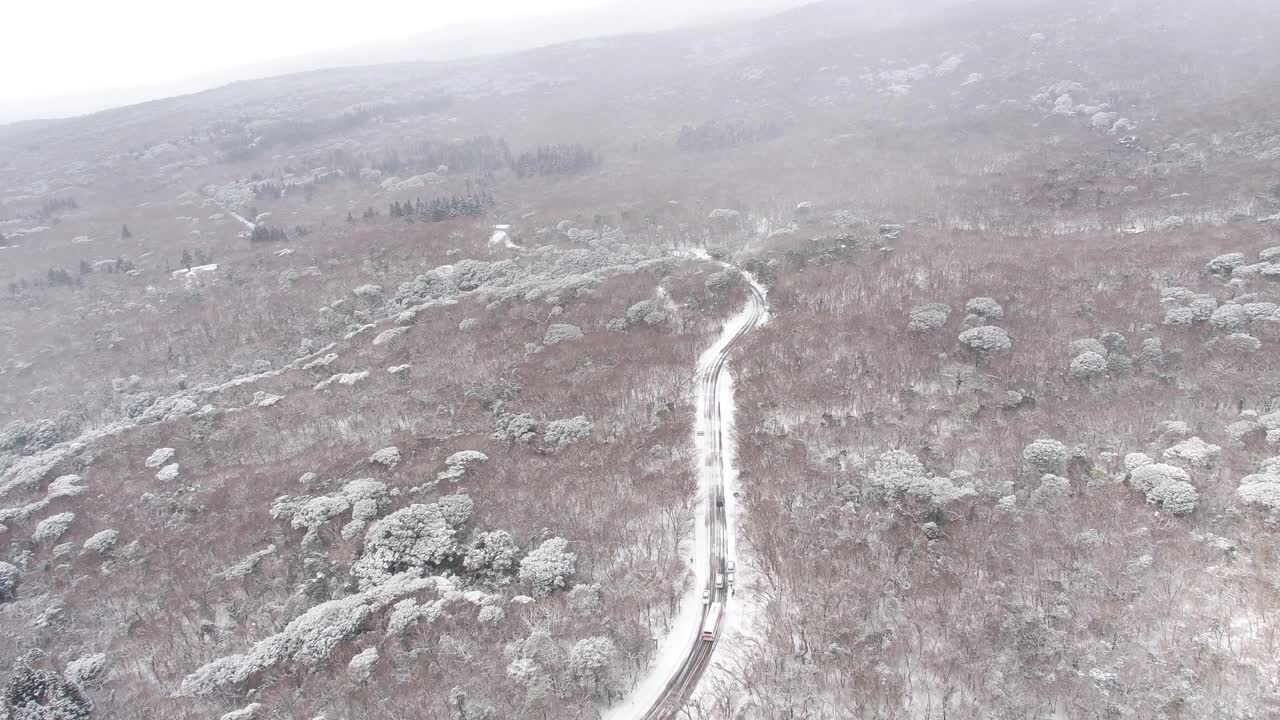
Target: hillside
(374, 392)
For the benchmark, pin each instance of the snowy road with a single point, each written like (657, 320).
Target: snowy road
(712, 435)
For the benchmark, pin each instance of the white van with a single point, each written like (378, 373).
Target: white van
(719, 580)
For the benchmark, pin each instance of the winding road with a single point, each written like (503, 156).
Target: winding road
(711, 425)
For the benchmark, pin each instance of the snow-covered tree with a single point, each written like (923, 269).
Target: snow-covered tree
(1045, 455)
(590, 661)
(561, 332)
(1229, 318)
(53, 527)
(160, 457)
(457, 464)
(1261, 490)
(1145, 477)
(931, 316)
(490, 615)
(1087, 365)
(1195, 451)
(1222, 265)
(985, 308)
(360, 669)
(1175, 496)
(9, 579)
(387, 456)
(102, 542)
(561, 433)
(86, 668)
(549, 566)
(986, 339)
(1085, 345)
(492, 552)
(418, 537)
(32, 694)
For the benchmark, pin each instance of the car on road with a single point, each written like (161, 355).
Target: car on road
(706, 597)
(719, 580)
(730, 566)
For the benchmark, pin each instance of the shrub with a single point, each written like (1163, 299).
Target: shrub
(490, 614)
(168, 473)
(932, 316)
(548, 567)
(1045, 455)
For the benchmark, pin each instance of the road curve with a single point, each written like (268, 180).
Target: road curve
(709, 421)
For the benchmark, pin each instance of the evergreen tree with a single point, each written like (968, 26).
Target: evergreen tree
(124, 232)
(186, 257)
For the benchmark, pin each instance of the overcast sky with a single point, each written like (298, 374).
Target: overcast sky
(86, 55)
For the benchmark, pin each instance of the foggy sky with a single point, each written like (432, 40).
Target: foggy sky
(71, 58)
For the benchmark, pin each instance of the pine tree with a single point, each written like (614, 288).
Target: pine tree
(124, 232)
(186, 257)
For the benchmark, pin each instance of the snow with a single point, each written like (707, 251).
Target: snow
(739, 622)
(502, 236)
(197, 270)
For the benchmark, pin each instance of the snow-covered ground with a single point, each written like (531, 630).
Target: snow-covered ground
(192, 272)
(742, 615)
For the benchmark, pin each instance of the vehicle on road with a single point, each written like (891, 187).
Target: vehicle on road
(711, 624)
(706, 597)
(719, 580)
(730, 566)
